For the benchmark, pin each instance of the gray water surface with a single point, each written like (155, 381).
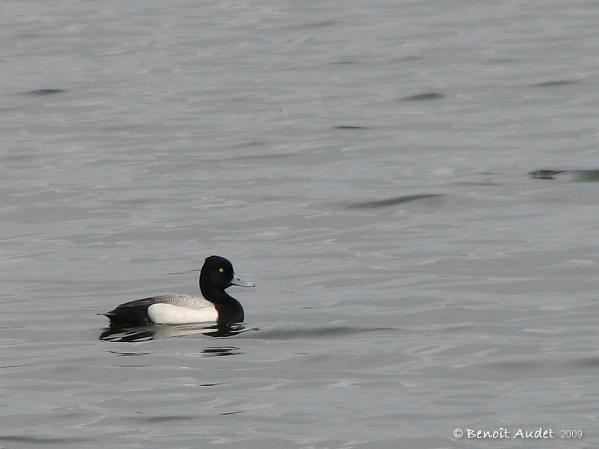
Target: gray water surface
(365, 164)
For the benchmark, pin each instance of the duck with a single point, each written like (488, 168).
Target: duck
(214, 306)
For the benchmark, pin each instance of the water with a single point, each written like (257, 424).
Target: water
(366, 165)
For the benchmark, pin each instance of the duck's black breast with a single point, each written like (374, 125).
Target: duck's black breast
(229, 311)
(132, 313)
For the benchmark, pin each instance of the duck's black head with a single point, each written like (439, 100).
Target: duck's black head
(217, 274)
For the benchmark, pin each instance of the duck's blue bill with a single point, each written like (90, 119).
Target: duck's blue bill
(240, 282)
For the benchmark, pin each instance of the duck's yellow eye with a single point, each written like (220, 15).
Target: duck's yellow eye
(221, 270)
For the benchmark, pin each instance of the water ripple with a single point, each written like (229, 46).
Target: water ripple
(388, 202)
(44, 92)
(424, 97)
(316, 332)
(40, 440)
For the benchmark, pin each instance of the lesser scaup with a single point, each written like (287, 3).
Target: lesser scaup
(215, 306)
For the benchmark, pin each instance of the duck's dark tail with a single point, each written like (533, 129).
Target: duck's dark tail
(131, 314)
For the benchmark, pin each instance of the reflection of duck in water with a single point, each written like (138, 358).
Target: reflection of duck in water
(144, 333)
(566, 175)
(215, 305)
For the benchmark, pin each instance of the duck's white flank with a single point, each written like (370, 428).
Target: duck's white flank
(163, 313)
